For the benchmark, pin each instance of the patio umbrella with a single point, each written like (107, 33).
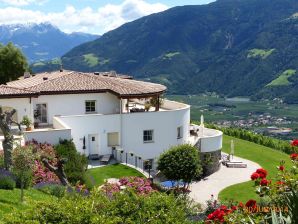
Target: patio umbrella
(232, 148)
(202, 120)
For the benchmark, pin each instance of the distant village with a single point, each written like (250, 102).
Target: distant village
(264, 123)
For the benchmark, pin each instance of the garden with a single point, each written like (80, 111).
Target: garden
(51, 184)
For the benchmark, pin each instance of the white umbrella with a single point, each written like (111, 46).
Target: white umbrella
(232, 148)
(202, 120)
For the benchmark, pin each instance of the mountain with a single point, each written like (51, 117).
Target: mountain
(42, 41)
(232, 47)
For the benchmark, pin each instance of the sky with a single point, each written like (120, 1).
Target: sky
(91, 16)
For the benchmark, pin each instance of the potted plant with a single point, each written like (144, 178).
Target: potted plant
(36, 116)
(147, 106)
(27, 122)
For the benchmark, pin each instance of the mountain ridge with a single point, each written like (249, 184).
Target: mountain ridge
(232, 47)
(42, 41)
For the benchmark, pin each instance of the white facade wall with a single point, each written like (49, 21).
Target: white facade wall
(23, 106)
(85, 125)
(213, 142)
(130, 128)
(49, 136)
(74, 104)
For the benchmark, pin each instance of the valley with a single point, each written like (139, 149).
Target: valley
(270, 117)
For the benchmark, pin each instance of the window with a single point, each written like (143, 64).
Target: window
(90, 106)
(113, 139)
(148, 136)
(41, 114)
(179, 132)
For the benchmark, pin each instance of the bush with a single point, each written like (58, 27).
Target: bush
(54, 189)
(7, 180)
(180, 162)
(273, 143)
(76, 164)
(99, 208)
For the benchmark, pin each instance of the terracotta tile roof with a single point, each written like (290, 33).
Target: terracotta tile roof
(6, 91)
(78, 82)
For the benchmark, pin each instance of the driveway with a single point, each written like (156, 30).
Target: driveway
(201, 191)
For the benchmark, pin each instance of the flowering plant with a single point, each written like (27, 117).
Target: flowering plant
(294, 142)
(140, 185)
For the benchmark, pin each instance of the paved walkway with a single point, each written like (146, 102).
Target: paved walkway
(201, 191)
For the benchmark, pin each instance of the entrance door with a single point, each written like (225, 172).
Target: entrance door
(41, 113)
(93, 145)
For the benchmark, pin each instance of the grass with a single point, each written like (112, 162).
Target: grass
(259, 53)
(91, 60)
(266, 157)
(282, 80)
(99, 175)
(10, 200)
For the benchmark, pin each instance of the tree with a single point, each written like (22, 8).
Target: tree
(13, 63)
(23, 163)
(5, 126)
(180, 162)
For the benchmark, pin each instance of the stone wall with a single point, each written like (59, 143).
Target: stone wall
(210, 162)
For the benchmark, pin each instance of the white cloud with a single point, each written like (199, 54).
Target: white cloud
(22, 2)
(87, 19)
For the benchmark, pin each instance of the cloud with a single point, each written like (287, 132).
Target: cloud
(87, 19)
(22, 2)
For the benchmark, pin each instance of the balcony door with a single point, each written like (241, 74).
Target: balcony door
(41, 113)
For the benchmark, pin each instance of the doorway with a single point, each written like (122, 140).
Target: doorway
(93, 144)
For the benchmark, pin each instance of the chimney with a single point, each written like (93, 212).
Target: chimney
(113, 74)
(61, 68)
(27, 75)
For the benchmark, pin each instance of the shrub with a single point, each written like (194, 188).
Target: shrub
(277, 144)
(23, 162)
(51, 188)
(7, 183)
(76, 164)
(7, 180)
(180, 163)
(98, 208)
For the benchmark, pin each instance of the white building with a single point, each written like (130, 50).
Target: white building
(102, 112)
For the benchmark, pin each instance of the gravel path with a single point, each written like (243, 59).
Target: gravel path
(201, 191)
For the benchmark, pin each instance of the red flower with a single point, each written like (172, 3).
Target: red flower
(264, 182)
(282, 168)
(234, 207)
(294, 156)
(262, 172)
(280, 183)
(251, 203)
(254, 176)
(294, 142)
(241, 205)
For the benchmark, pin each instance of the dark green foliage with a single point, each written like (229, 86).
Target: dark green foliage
(13, 63)
(76, 164)
(194, 49)
(273, 143)
(7, 183)
(98, 208)
(54, 189)
(180, 163)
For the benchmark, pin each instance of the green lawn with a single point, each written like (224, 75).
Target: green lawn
(266, 157)
(10, 200)
(98, 175)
